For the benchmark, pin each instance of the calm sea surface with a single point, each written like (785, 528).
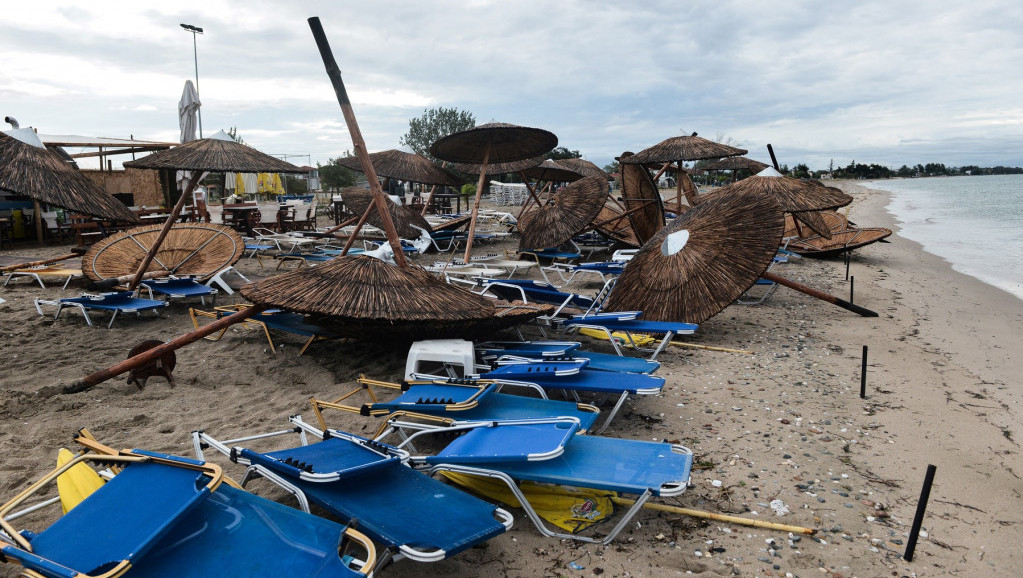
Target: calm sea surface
(975, 223)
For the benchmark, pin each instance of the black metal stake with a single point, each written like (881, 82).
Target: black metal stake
(847, 265)
(863, 374)
(918, 519)
(852, 282)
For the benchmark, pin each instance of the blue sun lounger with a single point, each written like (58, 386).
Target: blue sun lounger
(460, 399)
(356, 479)
(179, 288)
(168, 516)
(525, 451)
(539, 350)
(610, 324)
(573, 377)
(115, 303)
(276, 319)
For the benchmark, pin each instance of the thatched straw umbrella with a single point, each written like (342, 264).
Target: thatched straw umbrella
(218, 153)
(404, 218)
(584, 168)
(840, 242)
(474, 169)
(683, 148)
(735, 164)
(568, 213)
(641, 198)
(702, 261)
(404, 166)
(29, 168)
(612, 222)
(492, 142)
(553, 171)
(193, 249)
(803, 198)
(381, 301)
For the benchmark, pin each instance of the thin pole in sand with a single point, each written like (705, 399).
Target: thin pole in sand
(863, 374)
(921, 507)
(852, 283)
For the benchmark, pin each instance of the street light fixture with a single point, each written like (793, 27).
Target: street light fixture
(195, 30)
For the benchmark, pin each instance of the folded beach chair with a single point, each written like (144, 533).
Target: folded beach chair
(68, 274)
(276, 319)
(358, 480)
(179, 288)
(611, 324)
(552, 452)
(567, 272)
(530, 291)
(166, 516)
(538, 350)
(553, 254)
(573, 377)
(117, 302)
(220, 279)
(452, 400)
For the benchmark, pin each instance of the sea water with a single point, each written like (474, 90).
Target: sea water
(973, 222)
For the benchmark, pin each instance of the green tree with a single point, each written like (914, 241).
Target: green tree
(563, 153)
(434, 124)
(334, 176)
(233, 133)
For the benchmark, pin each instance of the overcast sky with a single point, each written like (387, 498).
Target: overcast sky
(890, 82)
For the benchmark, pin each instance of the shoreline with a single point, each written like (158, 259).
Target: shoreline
(785, 423)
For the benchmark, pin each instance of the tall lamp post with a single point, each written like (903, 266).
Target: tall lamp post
(195, 30)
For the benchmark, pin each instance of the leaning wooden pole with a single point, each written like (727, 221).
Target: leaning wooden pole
(196, 175)
(358, 143)
(720, 517)
(149, 356)
(7, 268)
(476, 203)
(818, 294)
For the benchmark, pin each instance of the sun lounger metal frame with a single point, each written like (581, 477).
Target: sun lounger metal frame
(286, 321)
(630, 327)
(115, 302)
(38, 273)
(179, 288)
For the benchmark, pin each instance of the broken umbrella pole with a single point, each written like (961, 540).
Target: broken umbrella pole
(863, 311)
(149, 356)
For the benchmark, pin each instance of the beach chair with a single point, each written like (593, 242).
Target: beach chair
(552, 452)
(179, 288)
(167, 516)
(275, 319)
(115, 303)
(452, 400)
(358, 480)
(630, 328)
(68, 274)
(531, 291)
(538, 350)
(220, 279)
(552, 254)
(572, 376)
(567, 272)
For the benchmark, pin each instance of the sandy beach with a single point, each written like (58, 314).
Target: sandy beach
(785, 423)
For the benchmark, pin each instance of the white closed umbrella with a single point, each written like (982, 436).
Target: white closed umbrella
(188, 112)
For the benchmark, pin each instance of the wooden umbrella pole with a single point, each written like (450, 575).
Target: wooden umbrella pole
(6, 268)
(115, 281)
(429, 198)
(151, 355)
(37, 218)
(358, 227)
(719, 517)
(709, 347)
(173, 216)
(358, 143)
(476, 203)
(340, 226)
(818, 294)
(625, 214)
(532, 196)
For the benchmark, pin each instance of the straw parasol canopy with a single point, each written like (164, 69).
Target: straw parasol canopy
(190, 249)
(840, 242)
(217, 153)
(506, 143)
(404, 166)
(683, 148)
(554, 171)
(28, 168)
(641, 198)
(569, 212)
(702, 261)
(498, 168)
(803, 198)
(584, 168)
(736, 163)
(364, 297)
(612, 222)
(405, 219)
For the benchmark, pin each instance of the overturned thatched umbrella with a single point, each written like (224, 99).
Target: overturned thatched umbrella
(405, 219)
(702, 261)
(492, 142)
(192, 249)
(28, 168)
(218, 153)
(381, 301)
(840, 242)
(800, 197)
(612, 222)
(404, 166)
(568, 213)
(641, 198)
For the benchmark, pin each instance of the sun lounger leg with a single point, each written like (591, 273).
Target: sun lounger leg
(112, 317)
(664, 343)
(68, 282)
(614, 411)
(626, 518)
